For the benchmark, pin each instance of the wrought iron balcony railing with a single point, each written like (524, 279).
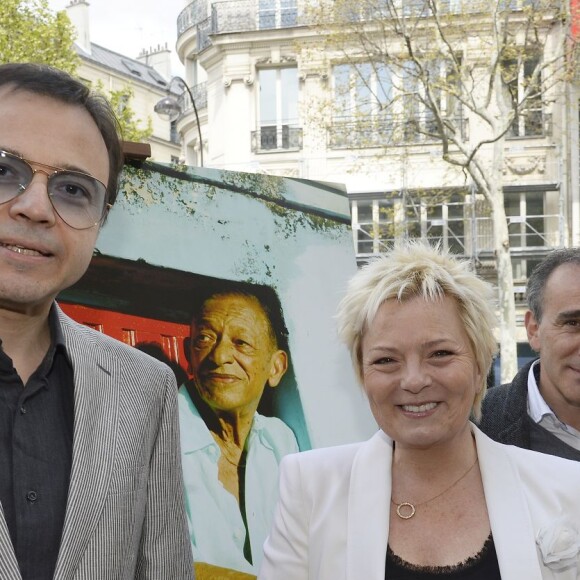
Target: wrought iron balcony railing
(270, 139)
(347, 133)
(236, 16)
(354, 12)
(246, 15)
(191, 15)
(199, 93)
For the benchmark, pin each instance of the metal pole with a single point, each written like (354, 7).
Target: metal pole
(182, 81)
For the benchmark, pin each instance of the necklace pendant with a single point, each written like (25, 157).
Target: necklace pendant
(405, 510)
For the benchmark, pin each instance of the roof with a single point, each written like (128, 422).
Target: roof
(123, 65)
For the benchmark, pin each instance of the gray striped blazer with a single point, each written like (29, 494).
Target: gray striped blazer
(125, 516)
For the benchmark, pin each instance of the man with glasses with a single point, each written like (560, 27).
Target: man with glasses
(90, 474)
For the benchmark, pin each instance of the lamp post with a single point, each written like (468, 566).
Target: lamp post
(169, 109)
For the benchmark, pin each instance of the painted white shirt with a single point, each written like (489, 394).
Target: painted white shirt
(216, 527)
(542, 415)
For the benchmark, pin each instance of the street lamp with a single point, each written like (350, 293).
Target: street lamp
(169, 110)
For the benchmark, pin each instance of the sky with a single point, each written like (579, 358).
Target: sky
(128, 26)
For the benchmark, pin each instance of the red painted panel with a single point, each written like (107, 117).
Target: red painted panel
(133, 330)
(575, 17)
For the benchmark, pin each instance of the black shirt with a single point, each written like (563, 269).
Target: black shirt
(482, 566)
(36, 435)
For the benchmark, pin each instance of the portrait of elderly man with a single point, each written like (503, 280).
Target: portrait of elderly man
(237, 353)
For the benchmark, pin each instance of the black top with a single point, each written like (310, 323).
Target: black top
(36, 435)
(482, 566)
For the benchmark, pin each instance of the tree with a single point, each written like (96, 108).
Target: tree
(436, 64)
(31, 32)
(131, 129)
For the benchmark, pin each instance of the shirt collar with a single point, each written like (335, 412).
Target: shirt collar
(195, 435)
(57, 343)
(537, 407)
(56, 333)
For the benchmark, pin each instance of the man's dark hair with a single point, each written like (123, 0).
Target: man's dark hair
(266, 297)
(50, 82)
(539, 277)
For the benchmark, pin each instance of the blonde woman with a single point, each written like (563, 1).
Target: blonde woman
(429, 496)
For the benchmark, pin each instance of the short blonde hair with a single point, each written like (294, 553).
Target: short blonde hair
(417, 269)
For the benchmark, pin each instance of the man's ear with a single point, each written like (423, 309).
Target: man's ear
(279, 365)
(187, 350)
(533, 330)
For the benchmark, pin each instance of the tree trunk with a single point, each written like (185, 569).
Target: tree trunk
(505, 285)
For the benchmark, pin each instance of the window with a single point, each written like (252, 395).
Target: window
(453, 6)
(365, 227)
(362, 93)
(174, 136)
(434, 216)
(373, 223)
(525, 213)
(533, 223)
(416, 8)
(437, 216)
(277, 13)
(373, 107)
(419, 118)
(526, 91)
(122, 103)
(446, 222)
(361, 89)
(278, 109)
(515, 4)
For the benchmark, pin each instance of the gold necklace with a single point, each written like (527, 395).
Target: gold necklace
(410, 508)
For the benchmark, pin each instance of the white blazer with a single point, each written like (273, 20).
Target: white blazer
(332, 519)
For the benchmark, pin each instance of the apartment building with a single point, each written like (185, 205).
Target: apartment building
(147, 76)
(267, 88)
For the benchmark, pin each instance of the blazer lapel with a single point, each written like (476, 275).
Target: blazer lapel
(96, 377)
(509, 517)
(9, 568)
(368, 509)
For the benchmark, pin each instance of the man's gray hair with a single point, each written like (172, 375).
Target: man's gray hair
(539, 277)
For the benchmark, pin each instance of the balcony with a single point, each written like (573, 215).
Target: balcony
(348, 133)
(192, 15)
(272, 139)
(415, 9)
(199, 93)
(236, 16)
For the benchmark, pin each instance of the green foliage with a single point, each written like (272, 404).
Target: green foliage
(31, 32)
(131, 127)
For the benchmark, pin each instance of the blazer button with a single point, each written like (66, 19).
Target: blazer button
(32, 496)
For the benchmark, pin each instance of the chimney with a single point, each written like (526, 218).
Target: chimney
(159, 58)
(78, 13)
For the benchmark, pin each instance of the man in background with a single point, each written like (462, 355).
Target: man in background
(90, 473)
(540, 408)
(230, 452)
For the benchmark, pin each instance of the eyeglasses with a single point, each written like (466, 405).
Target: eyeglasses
(78, 198)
